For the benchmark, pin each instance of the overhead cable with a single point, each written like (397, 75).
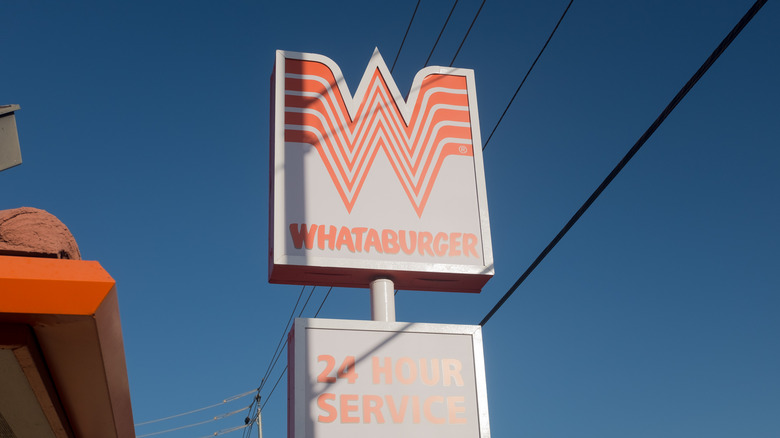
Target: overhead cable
(405, 34)
(526, 74)
(218, 417)
(467, 32)
(227, 400)
(272, 389)
(323, 302)
(282, 339)
(441, 32)
(277, 357)
(225, 431)
(307, 301)
(249, 421)
(255, 404)
(285, 368)
(649, 132)
(274, 358)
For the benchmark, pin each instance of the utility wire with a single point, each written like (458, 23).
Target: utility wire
(526, 74)
(272, 389)
(218, 417)
(284, 333)
(405, 34)
(323, 302)
(247, 423)
(441, 32)
(174, 429)
(250, 423)
(649, 132)
(235, 397)
(277, 357)
(225, 431)
(227, 400)
(279, 349)
(307, 301)
(467, 32)
(285, 368)
(437, 42)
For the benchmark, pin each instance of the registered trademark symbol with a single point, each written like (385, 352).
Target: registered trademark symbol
(463, 149)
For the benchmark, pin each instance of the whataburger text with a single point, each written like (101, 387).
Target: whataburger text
(385, 241)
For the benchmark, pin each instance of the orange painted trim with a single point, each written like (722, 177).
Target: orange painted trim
(30, 285)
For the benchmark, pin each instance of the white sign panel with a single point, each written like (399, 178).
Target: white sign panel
(386, 380)
(376, 185)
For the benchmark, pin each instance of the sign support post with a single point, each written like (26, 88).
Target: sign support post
(382, 300)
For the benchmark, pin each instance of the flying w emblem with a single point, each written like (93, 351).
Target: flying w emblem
(416, 135)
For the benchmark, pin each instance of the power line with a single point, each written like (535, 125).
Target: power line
(272, 389)
(467, 32)
(285, 338)
(286, 342)
(526, 74)
(307, 301)
(268, 370)
(405, 34)
(227, 400)
(218, 417)
(323, 302)
(437, 42)
(249, 422)
(441, 32)
(225, 431)
(285, 368)
(649, 132)
(272, 363)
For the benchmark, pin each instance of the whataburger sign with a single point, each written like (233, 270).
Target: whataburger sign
(374, 185)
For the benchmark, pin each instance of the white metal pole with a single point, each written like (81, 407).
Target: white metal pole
(382, 300)
(259, 424)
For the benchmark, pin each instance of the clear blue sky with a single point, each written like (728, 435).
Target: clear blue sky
(144, 128)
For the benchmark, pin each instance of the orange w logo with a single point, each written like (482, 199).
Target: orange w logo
(416, 135)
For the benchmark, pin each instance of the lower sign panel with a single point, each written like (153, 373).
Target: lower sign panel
(366, 378)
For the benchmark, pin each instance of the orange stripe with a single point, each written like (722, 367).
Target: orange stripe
(375, 117)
